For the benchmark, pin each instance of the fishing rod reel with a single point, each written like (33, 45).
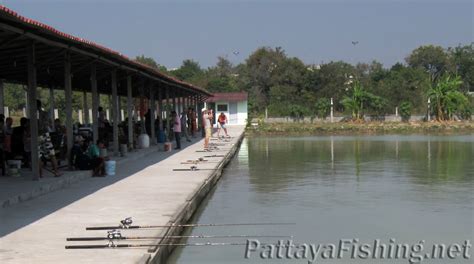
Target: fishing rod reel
(126, 223)
(111, 244)
(114, 234)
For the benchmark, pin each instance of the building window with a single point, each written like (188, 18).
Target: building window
(221, 108)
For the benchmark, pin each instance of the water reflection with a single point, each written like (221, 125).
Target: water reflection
(366, 187)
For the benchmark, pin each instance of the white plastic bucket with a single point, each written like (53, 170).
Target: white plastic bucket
(110, 167)
(143, 141)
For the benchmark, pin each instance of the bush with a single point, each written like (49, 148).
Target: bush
(323, 108)
(405, 111)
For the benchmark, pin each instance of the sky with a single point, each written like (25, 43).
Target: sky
(316, 31)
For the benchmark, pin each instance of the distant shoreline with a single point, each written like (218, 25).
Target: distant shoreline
(344, 128)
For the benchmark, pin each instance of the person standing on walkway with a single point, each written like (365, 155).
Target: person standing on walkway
(206, 120)
(222, 121)
(45, 147)
(184, 122)
(176, 129)
(193, 123)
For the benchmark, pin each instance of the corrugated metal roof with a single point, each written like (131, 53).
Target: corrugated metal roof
(77, 40)
(228, 97)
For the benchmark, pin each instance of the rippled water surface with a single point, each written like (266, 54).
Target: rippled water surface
(409, 188)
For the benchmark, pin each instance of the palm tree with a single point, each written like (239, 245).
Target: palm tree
(355, 102)
(447, 98)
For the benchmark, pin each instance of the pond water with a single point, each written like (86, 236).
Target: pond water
(413, 189)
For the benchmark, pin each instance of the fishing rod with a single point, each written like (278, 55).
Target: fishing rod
(214, 156)
(197, 162)
(127, 224)
(193, 168)
(116, 235)
(113, 245)
(212, 150)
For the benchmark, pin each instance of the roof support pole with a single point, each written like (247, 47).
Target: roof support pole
(178, 102)
(32, 110)
(95, 104)
(168, 119)
(68, 97)
(2, 100)
(119, 107)
(129, 112)
(152, 115)
(174, 102)
(160, 109)
(115, 112)
(142, 110)
(86, 107)
(198, 113)
(51, 104)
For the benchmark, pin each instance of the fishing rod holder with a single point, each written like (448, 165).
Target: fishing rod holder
(126, 223)
(193, 168)
(114, 234)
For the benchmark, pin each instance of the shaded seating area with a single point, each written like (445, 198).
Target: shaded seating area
(40, 57)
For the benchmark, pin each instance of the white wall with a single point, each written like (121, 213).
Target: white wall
(240, 116)
(242, 112)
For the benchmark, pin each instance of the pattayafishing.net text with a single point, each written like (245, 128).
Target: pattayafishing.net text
(356, 249)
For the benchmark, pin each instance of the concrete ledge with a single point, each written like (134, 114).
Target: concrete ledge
(185, 211)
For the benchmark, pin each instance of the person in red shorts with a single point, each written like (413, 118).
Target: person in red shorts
(222, 120)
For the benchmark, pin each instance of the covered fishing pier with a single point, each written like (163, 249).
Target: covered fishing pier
(37, 55)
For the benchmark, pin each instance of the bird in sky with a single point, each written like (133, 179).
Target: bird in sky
(355, 42)
(236, 53)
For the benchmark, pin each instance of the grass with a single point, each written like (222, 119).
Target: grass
(360, 128)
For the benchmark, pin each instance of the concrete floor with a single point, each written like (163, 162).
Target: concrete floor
(146, 189)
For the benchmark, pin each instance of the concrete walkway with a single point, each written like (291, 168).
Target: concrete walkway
(14, 190)
(146, 189)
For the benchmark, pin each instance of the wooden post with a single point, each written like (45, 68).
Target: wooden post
(198, 113)
(152, 114)
(32, 110)
(174, 101)
(51, 104)
(119, 107)
(68, 97)
(160, 109)
(115, 112)
(2, 100)
(86, 107)
(129, 111)
(168, 123)
(142, 115)
(95, 104)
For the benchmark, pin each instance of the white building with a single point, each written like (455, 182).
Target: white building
(233, 105)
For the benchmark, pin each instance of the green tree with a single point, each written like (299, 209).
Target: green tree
(405, 111)
(402, 84)
(189, 71)
(360, 99)
(323, 107)
(433, 59)
(259, 74)
(222, 77)
(329, 81)
(447, 98)
(150, 62)
(462, 64)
